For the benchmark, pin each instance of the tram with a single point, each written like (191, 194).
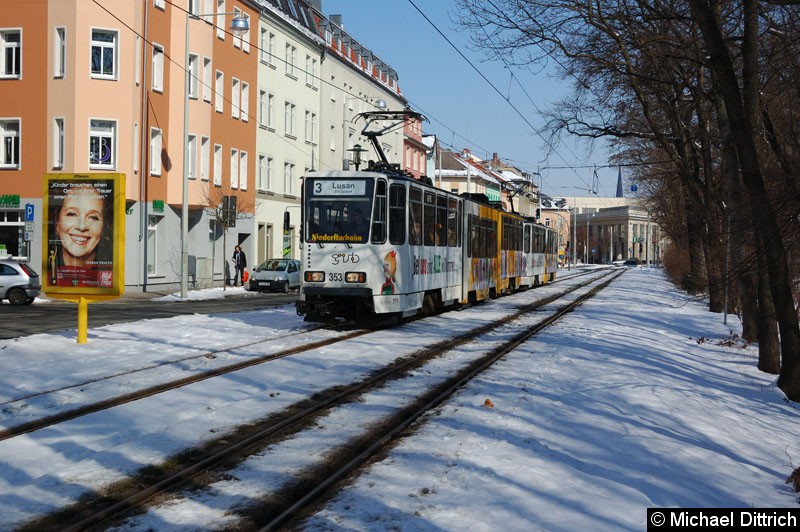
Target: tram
(381, 243)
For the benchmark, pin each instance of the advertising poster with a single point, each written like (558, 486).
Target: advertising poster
(84, 228)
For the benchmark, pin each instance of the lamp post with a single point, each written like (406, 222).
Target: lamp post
(586, 251)
(575, 222)
(239, 25)
(357, 151)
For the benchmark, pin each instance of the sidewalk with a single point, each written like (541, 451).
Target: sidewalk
(171, 295)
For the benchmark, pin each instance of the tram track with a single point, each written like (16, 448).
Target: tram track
(95, 513)
(66, 413)
(201, 375)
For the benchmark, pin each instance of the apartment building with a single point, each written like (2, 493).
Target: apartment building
(102, 87)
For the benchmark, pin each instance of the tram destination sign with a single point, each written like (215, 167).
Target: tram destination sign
(340, 188)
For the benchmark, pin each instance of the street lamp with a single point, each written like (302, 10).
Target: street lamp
(575, 221)
(239, 26)
(357, 151)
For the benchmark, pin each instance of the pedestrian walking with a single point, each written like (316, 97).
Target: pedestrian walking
(239, 264)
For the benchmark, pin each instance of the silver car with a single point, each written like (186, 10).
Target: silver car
(18, 282)
(275, 275)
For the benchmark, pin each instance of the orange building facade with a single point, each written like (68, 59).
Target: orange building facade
(97, 87)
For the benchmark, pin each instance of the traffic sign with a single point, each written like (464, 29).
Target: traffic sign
(29, 212)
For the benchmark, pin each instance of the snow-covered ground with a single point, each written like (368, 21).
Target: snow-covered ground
(635, 400)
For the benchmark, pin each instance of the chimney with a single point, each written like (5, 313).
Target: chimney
(337, 19)
(316, 4)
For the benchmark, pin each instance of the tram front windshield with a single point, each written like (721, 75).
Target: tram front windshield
(338, 210)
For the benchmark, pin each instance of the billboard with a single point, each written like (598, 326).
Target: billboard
(84, 232)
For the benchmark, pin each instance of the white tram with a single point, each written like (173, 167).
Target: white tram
(379, 242)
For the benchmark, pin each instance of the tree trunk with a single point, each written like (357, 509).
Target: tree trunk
(769, 345)
(741, 108)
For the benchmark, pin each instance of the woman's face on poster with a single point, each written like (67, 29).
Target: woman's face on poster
(80, 223)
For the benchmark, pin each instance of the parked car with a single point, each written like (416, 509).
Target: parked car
(631, 262)
(275, 275)
(19, 283)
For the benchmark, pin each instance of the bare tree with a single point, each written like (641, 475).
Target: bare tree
(224, 213)
(660, 76)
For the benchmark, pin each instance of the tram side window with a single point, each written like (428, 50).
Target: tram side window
(483, 237)
(441, 221)
(397, 214)
(415, 217)
(429, 218)
(527, 239)
(453, 216)
(539, 242)
(379, 213)
(492, 239)
(474, 233)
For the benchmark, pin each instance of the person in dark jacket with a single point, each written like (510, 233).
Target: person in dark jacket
(239, 264)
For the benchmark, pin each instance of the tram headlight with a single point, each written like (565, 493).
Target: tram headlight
(355, 277)
(314, 277)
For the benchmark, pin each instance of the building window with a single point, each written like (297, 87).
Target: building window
(271, 111)
(104, 54)
(291, 60)
(234, 168)
(288, 178)
(235, 95)
(60, 53)
(152, 245)
(245, 38)
(270, 172)
(271, 48)
(9, 151)
(206, 79)
(261, 178)
(191, 154)
(311, 126)
(311, 71)
(217, 165)
(219, 87)
(237, 40)
(102, 144)
(205, 160)
(263, 44)
(138, 68)
(221, 20)
(289, 118)
(156, 146)
(193, 75)
(243, 170)
(158, 67)
(10, 61)
(262, 108)
(58, 143)
(245, 104)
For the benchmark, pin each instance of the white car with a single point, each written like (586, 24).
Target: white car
(19, 283)
(275, 275)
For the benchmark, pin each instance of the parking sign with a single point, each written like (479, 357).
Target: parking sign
(29, 212)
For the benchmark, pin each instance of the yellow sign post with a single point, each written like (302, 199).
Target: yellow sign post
(84, 240)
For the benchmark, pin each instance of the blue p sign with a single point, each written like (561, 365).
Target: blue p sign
(29, 212)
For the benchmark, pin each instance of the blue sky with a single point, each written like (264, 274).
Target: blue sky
(464, 110)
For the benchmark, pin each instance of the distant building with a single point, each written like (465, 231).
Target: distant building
(503, 185)
(603, 229)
